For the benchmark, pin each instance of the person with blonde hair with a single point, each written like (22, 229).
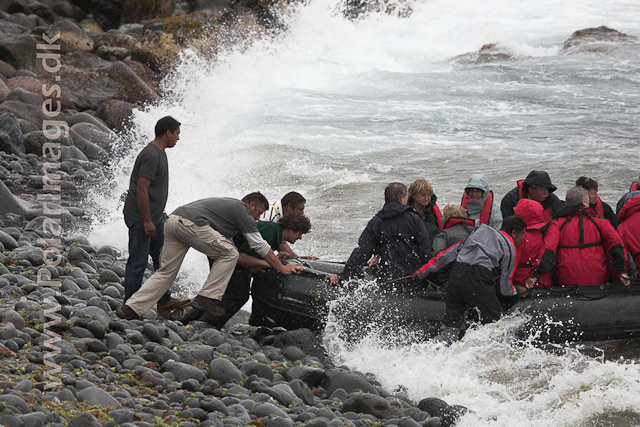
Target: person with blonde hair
(423, 200)
(457, 227)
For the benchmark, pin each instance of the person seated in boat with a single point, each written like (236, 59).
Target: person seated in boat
(597, 206)
(479, 202)
(457, 227)
(536, 186)
(423, 200)
(532, 251)
(584, 244)
(635, 186)
(629, 229)
(481, 266)
(291, 202)
(288, 230)
(396, 234)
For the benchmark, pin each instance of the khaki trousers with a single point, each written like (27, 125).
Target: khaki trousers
(180, 234)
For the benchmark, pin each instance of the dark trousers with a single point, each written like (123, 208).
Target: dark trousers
(471, 286)
(140, 247)
(236, 295)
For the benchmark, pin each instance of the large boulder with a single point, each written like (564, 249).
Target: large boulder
(347, 380)
(11, 138)
(115, 113)
(20, 51)
(97, 396)
(88, 148)
(35, 84)
(87, 118)
(490, 52)
(110, 14)
(367, 404)
(90, 132)
(600, 39)
(135, 90)
(27, 112)
(72, 38)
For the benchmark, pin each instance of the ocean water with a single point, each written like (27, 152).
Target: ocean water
(336, 109)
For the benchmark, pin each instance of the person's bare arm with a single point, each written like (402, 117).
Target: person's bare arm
(142, 193)
(284, 247)
(274, 262)
(248, 261)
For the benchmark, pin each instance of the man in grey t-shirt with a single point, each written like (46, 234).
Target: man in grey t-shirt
(144, 208)
(207, 225)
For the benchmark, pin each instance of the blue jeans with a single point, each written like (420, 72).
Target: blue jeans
(140, 247)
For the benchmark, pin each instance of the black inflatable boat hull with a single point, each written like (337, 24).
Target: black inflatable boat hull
(586, 313)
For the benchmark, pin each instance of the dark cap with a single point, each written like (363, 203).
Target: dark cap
(540, 179)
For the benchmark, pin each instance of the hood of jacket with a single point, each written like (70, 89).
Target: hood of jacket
(531, 212)
(474, 207)
(393, 209)
(630, 206)
(540, 179)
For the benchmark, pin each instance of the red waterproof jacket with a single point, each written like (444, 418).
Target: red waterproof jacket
(629, 228)
(532, 247)
(584, 245)
(548, 212)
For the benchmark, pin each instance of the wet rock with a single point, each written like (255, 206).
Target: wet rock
(21, 95)
(7, 241)
(72, 38)
(115, 113)
(304, 339)
(600, 39)
(432, 405)
(84, 420)
(11, 138)
(34, 85)
(490, 52)
(20, 51)
(268, 409)
(368, 404)
(193, 353)
(32, 254)
(18, 403)
(27, 112)
(183, 372)
(7, 70)
(347, 380)
(97, 396)
(450, 415)
(223, 371)
(90, 26)
(259, 369)
(88, 148)
(11, 316)
(136, 90)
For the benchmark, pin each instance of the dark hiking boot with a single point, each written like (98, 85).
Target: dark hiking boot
(191, 314)
(167, 305)
(127, 313)
(259, 319)
(209, 305)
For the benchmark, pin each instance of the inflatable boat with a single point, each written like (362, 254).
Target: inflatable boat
(304, 300)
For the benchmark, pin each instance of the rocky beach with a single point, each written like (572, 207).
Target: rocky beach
(71, 74)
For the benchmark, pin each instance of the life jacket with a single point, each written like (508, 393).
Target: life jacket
(455, 221)
(485, 214)
(437, 215)
(581, 258)
(629, 229)
(548, 211)
(532, 247)
(634, 187)
(597, 209)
